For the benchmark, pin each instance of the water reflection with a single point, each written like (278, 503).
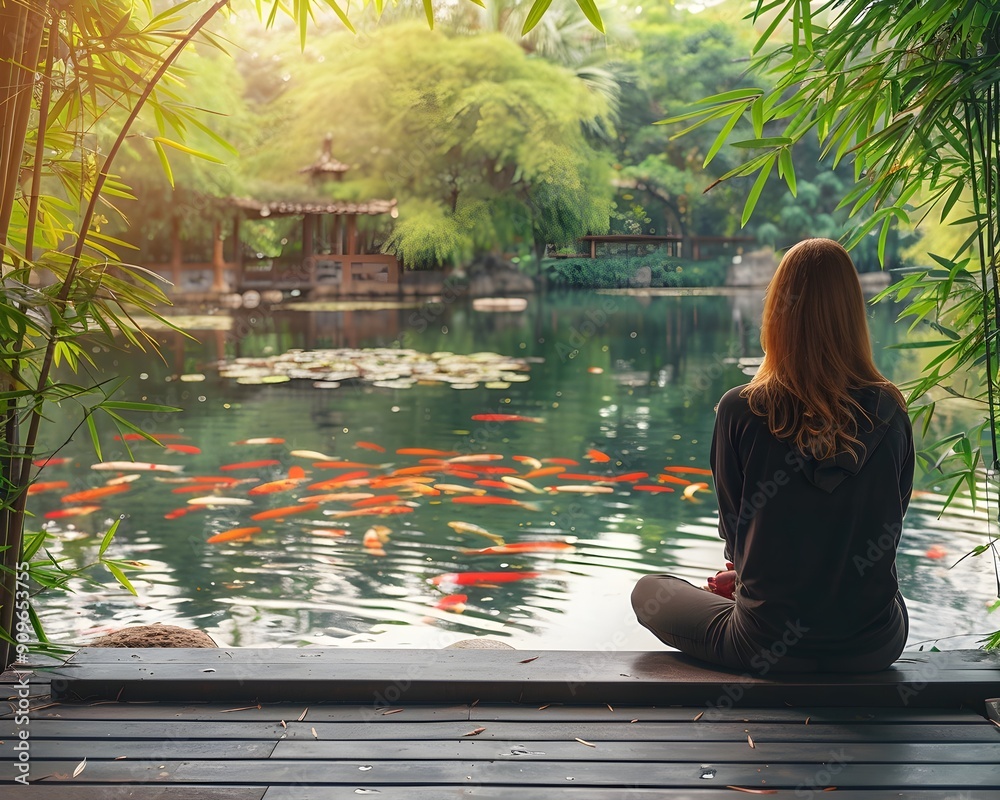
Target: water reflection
(634, 377)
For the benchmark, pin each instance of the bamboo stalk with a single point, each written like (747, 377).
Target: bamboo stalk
(43, 123)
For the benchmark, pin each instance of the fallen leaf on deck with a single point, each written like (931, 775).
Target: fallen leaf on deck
(245, 708)
(528, 660)
(542, 708)
(750, 741)
(830, 789)
(589, 744)
(302, 716)
(698, 716)
(752, 791)
(283, 725)
(389, 711)
(476, 732)
(315, 735)
(80, 767)
(609, 707)
(120, 758)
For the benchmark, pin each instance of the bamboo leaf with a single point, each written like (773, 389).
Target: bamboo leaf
(165, 163)
(162, 140)
(788, 170)
(429, 13)
(590, 11)
(106, 541)
(721, 138)
(535, 13)
(342, 16)
(771, 141)
(120, 577)
(94, 437)
(754, 195)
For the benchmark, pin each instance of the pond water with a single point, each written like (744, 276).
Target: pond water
(633, 377)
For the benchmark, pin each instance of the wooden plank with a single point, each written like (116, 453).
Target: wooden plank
(993, 710)
(77, 791)
(607, 793)
(187, 750)
(508, 731)
(372, 773)
(716, 752)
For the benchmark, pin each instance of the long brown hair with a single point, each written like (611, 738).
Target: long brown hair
(816, 347)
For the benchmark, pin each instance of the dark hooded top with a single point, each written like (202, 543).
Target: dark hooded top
(813, 542)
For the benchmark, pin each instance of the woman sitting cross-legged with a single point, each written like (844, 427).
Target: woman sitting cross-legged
(813, 468)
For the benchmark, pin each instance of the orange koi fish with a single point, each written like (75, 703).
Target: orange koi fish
(476, 578)
(597, 457)
(452, 602)
(47, 486)
(463, 473)
(52, 461)
(189, 449)
(295, 476)
(268, 440)
(72, 511)
(491, 500)
(266, 462)
(491, 470)
(936, 551)
(629, 477)
(410, 471)
(180, 512)
(329, 533)
(198, 488)
(343, 465)
(475, 458)
(336, 497)
(521, 547)
(639, 487)
(689, 470)
(689, 491)
(407, 481)
(381, 511)
(454, 488)
(221, 480)
(491, 484)
(94, 494)
(423, 451)
(672, 479)
(284, 511)
(534, 463)
(376, 536)
(563, 462)
(504, 418)
(340, 480)
(583, 476)
(543, 471)
(235, 533)
(377, 500)
(370, 446)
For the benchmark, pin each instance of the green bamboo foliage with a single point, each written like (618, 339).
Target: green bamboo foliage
(910, 92)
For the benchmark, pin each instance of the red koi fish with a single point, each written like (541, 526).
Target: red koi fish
(490, 470)
(462, 473)
(265, 462)
(269, 440)
(52, 461)
(189, 449)
(936, 551)
(583, 476)
(452, 602)
(412, 480)
(504, 418)
(72, 511)
(423, 451)
(409, 471)
(672, 479)
(563, 462)
(95, 494)
(329, 533)
(284, 511)
(231, 535)
(543, 471)
(47, 486)
(491, 484)
(180, 512)
(376, 500)
(477, 578)
(641, 487)
(629, 477)
(521, 547)
(217, 480)
(340, 480)
(377, 448)
(380, 511)
(689, 470)
(597, 457)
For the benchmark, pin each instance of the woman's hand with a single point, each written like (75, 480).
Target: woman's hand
(724, 582)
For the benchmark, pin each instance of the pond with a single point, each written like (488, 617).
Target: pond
(631, 377)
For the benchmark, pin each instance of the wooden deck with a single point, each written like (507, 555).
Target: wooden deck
(304, 724)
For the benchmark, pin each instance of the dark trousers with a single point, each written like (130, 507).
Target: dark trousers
(709, 627)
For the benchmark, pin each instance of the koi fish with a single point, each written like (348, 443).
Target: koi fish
(462, 473)
(382, 511)
(452, 602)
(419, 488)
(544, 471)
(180, 512)
(563, 462)
(475, 578)
(123, 479)
(520, 483)
(295, 476)
(315, 456)
(672, 479)
(344, 465)
(491, 470)
(235, 533)
(266, 462)
(454, 488)
(583, 476)
(522, 547)
(504, 418)
(222, 480)
(489, 483)
(582, 488)
(340, 480)
(52, 461)
(370, 446)
(47, 486)
(336, 497)
(136, 466)
(267, 440)
(415, 471)
(534, 463)
(329, 533)
(376, 535)
(189, 449)
(468, 527)
(595, 370)
(376, 500)
(475, 458)
(284, 511)
(423, 451)
(689, 470)
(72, 511)
(197, 488)
(689, 491)
(213, 500)
(936, 551)
(94, 494)
(491, 500)
(640, 487)
(629, 477)
(597, 457)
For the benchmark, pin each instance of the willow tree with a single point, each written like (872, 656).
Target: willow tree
(63, 65)
(910, 92)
